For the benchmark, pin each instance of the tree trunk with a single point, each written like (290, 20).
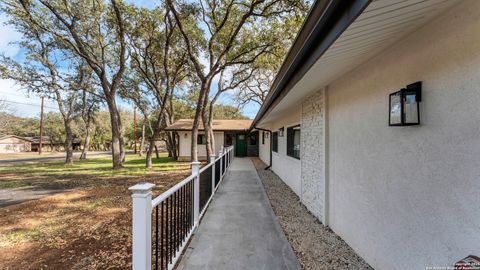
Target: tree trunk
(142, 142)
(156, 152)
(152, 146)
(86, 143)
(199, 111)
(208, 139)
(212, 140)
(171, 144)
(68, 143)
(175, 145)
(118, 153)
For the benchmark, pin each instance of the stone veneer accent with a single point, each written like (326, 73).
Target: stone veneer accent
(313, 154)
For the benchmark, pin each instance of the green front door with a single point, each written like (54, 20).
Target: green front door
(241, 145)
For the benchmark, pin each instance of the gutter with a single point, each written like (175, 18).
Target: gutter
(270, 139)
(327, 20)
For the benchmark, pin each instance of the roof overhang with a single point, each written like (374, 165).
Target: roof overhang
(337, 37)
(222, 125)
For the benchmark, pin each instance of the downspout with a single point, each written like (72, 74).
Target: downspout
(270, 138)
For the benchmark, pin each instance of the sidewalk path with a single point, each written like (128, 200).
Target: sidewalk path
(239, 229)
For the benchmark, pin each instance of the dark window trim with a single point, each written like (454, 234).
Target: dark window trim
(290, 139)
(252, 139)
(275, 141)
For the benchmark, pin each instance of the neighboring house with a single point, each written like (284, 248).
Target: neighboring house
(49, 145)
(14, 144)
(403, 197)
(225, 132)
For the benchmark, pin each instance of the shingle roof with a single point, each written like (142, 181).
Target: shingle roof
(218, 125)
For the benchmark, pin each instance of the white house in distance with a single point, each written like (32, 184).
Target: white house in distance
(374, 121)
(225, 132)
(14, 144)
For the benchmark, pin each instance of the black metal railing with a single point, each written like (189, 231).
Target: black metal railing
(217, 172)
(176, 213)
(224, 164)
(172, 221)
(206, 189)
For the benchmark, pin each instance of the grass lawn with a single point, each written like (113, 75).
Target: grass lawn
(87, 227)
(29, 155)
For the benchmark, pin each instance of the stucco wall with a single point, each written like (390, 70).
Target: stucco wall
(185, 144)
(313, 154)
(264, 149)
(408, 197)
(286, 167)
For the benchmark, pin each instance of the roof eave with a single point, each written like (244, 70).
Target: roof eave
(325, 23)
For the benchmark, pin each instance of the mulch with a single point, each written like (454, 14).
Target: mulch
(87, 228)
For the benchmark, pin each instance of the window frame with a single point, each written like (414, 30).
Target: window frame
(201, 141)
(252, 139)
(275, 142)
(291, 141)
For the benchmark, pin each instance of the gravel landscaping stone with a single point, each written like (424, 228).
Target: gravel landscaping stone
(316, 246)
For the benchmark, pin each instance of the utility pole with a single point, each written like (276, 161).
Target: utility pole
(41, 129)
(135, 127)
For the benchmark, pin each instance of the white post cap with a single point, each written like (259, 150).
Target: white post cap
(141, 188)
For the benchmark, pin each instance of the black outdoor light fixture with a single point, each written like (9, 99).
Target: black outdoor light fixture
(404, 106)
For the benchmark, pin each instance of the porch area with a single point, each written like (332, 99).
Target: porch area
(239, 230)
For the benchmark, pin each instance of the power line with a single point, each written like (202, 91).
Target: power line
(28, 104)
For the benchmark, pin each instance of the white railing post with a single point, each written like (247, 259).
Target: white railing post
(220, 153)
(212, 160)
(141, 226)
(196, 191)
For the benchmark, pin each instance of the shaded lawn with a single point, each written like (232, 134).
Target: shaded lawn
(87, 228)
(29, 155)
(93, 171)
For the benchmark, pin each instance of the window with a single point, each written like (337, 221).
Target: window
(275, 142)
(253, 139)
(263, 137)
(293, 142)
(201, 139)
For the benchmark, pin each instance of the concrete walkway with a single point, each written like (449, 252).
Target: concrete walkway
(239, 229)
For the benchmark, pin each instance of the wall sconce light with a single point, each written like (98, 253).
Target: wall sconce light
(266, 134)
(404, 106)
(280, 132)
(185, 135)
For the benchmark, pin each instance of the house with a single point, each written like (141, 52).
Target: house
(14, 144)
(225, 132)
(374, 122)
(52, 145)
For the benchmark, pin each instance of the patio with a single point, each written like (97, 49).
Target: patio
(240, 229)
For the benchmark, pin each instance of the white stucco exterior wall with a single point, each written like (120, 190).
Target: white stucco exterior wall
(286, 167)
(408, 197)
(185, 143)
(264, 149)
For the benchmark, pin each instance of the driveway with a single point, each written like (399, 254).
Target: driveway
(12, 196)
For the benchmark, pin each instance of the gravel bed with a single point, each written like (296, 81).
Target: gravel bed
(316, 246)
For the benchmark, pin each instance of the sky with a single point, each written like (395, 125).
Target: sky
(22, 105)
